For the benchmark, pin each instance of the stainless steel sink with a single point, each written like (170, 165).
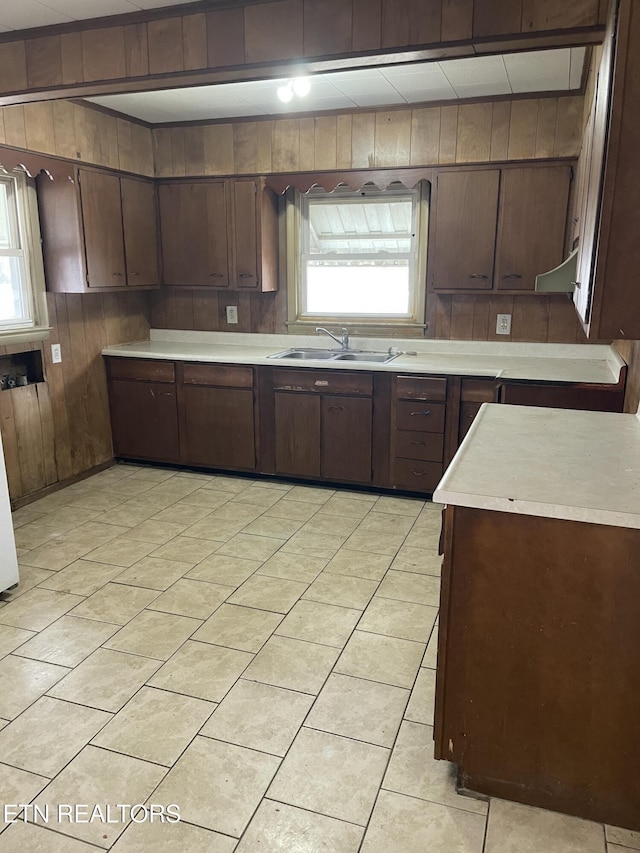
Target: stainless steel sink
(303, 354)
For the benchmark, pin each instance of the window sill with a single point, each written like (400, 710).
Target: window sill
(25, 336)
(369, 330)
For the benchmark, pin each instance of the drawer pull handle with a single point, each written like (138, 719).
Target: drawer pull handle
(512, 275)
(417, 473)
(478, 275)
(134, 273)
(117, 273)
(336, 408)
(426, 412)
(321, 382)
(418, 442)
(246, 275)
(216, 275)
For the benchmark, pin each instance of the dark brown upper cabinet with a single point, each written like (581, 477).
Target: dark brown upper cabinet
(99, 232)
(220, 234)
(497, 229)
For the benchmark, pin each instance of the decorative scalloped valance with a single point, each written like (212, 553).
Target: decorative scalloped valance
(14, 159)
(328, 181)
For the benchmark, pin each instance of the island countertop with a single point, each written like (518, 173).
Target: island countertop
(579, 363)
(554, 463)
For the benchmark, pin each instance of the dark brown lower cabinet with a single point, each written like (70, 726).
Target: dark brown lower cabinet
(144, 420)
(538, 682)
(297, 434)
(216, 427)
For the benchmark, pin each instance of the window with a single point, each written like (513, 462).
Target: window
(22, 301)
(359, 257)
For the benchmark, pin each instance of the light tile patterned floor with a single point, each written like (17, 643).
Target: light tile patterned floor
(261, 654)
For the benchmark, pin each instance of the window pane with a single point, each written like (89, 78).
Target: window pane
(369, 226)
(358, 288)
(5, 230)
(12, 304)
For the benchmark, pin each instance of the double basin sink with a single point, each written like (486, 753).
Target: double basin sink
(312, 354)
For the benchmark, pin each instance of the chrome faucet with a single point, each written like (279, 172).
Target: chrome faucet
(343, 341)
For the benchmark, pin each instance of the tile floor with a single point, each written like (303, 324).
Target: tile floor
(259, 653)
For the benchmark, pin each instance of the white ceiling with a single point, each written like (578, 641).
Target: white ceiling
(23, 14)
(482, 76)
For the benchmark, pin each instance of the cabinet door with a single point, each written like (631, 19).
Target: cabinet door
(144, 419)
(532, 223)
(465, 230)
(244, 234)
(217, 427)
(346, 438)
(297, 434)
(102, 223)
(193, 219)
(139, 223)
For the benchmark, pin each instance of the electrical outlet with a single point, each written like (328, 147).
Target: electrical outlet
(503, 324)
(56, 353)
(232, 314)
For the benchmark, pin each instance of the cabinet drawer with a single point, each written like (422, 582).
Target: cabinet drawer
(146, 371)
(421, 388)
(424, 417)
(417, 476)
(323, 381)
(223, 376)
(427, 446)
(479, 391)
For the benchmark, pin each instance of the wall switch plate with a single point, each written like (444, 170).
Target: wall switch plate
(56, 353)
(503, 324)
(232, 313)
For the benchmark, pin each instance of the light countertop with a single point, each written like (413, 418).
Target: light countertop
(495, 360)
(555, 463)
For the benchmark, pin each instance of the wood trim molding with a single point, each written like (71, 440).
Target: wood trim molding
(15, 159)
(328, 181)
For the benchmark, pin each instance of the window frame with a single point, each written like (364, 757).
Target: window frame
(29, 255)
(414, 324)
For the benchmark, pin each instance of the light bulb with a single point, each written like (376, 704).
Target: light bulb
(302, 86)
(285, 93)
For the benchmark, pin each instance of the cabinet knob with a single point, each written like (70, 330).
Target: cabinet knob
(512, 275)
(134, 273)
(117, 273)
(426, 412)
(478, 275)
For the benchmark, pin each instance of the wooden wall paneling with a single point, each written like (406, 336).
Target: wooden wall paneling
(142, 144)
(461, 322)
(71, 58)
(83, 419)
(327, 27)
(473, 144)
(38, 127)
(546, 129)
(273, 31)
(457, 20)
(103, 54)
(13, 65)
(218, 149)
(72, 367)
(194, 41)
(194, 158)
(183, 308)
(363, 137)
(170, 315)
(44, 62)
(285, 145)
(245, 147)
(64, 134)
(307, 144)
(425, 136)
(549, 14)
(406, 22)
(225, 37)
(26, 413)
(177, 152)
(448, 134)
(523, 129)
(166, 48)
(496, 17)
(480, 330)
(103, 139)
(367, 25)
(157, 309)
(325, 143)
(205, 310)
(344, 127)
(442, 316)
(14, 129)
(392, 138)
(499, 304)
(568, 128)
(10, 445)
(264, 144)
(563, 320)
(530, 320)
(95, 341)
(2, 136)
(136, 49)
(500, 128)
(58, 399)
(603, 11)
(125, 144)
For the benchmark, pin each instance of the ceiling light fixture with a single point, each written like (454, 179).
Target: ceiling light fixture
(299, 86)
